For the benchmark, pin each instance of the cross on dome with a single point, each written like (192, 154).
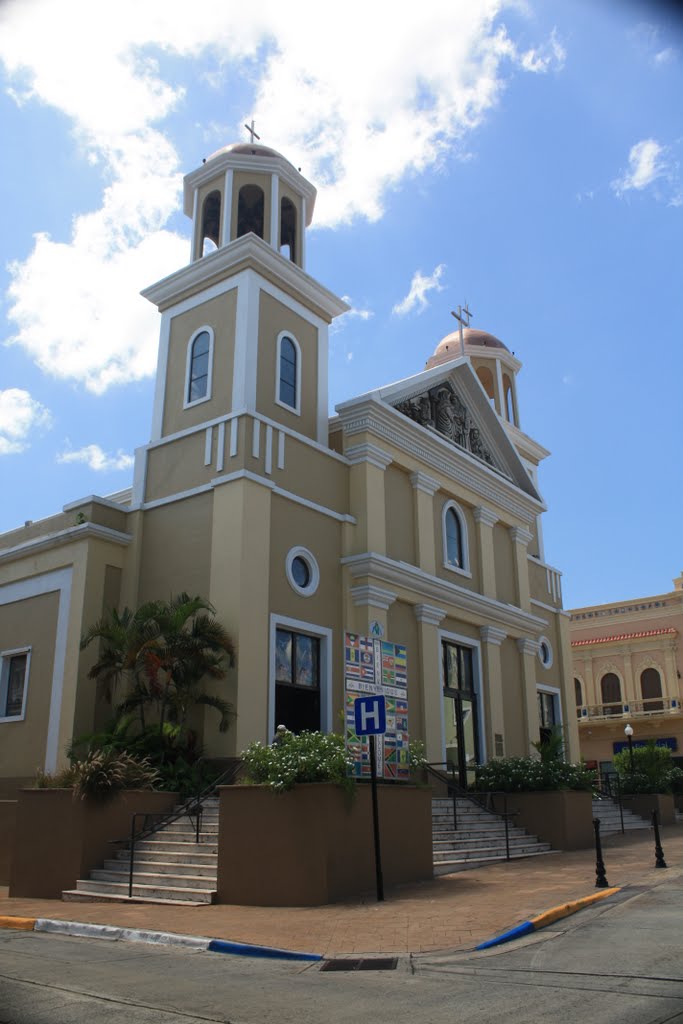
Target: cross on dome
(250, 129)
(463, 316)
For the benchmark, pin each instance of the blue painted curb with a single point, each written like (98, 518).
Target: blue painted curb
(515, 933)
(269, 952)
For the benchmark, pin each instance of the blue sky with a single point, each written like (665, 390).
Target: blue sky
(523, 156)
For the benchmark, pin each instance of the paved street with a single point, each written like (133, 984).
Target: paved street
(618, 961)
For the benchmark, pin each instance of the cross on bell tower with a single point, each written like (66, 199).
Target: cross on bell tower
(252, 132)
(463, 316)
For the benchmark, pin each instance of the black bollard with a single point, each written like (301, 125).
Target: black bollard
(659, 852)
(600, 876)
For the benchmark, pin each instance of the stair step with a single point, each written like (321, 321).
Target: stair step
(154, 878)
(195, 859)
(451, 867)
(83, 896)
(154, 892)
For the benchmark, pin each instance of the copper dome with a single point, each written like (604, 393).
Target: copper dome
(449, 347)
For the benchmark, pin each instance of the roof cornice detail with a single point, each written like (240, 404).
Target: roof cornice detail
(247, 252)
(374, 416)
(440, 593)
(84, 531)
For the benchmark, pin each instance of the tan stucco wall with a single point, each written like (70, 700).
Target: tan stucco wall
(505, 577)
(177, 549)
(219, 314)
(29, 623)
(515, 738)
(275, 317)
(400, 515)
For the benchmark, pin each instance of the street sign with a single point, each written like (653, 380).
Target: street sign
(371, 715)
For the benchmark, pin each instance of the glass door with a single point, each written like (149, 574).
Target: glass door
(460, 710)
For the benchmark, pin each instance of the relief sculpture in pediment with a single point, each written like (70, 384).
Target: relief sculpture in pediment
(440, 409)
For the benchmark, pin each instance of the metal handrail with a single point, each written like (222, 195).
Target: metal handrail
(192, 808)
(609, 786)
(486, 802)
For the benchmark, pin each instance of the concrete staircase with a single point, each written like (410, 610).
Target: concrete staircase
(607, 811)
(170, 867)
(479, 839)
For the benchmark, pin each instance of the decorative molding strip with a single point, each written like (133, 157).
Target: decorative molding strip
(368, 593)
(220, 454)
(423, 482)
(94, 499)
(368, 453)
(268, 460)
(409, 577)
(549, 608)
(526, 645)
(484, 515)
(429, 614)
(234, 436)
(208, 446)
(520, 535)
(492, 635)
(255, 438)
(280, 449)
(84, 531)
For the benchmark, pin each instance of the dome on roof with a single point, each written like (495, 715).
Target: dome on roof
(246, 149)
(449, 347)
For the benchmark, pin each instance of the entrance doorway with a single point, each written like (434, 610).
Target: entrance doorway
(297, 681)
(460, 711)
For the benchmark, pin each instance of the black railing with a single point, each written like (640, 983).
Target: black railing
(486, 801)
(608, 787)
(193, 807)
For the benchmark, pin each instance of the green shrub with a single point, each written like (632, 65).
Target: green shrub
(101, 775)
(306, 757)
(653, 770)
(527, 774)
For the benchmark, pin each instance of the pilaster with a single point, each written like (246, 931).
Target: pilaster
(367, 493)
(486, 520)
(429, 618)
(492, 638)
(528, 650)
(371, 602)
(520, 542)
(424, 489)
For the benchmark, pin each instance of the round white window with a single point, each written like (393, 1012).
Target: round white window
(545, 652)
(303, 574)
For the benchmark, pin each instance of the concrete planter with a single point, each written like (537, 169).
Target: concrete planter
(314, 844)
(60, 838)
(8, 819)
(564, 818)
(645, 803)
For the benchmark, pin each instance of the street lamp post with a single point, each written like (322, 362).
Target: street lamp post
(629, 736)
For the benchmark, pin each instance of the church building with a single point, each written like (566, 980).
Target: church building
(413, 514)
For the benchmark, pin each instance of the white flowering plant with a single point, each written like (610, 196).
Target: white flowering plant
(528, 774)
(302, 757)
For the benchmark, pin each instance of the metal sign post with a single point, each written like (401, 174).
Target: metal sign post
(371, 721)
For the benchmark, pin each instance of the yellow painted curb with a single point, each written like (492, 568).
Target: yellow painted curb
(20, 924)
(556, 913)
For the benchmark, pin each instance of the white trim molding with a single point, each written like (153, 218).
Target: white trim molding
(369, 594)
(311, 564)
(492, 635)
(464, 569)
(187, 402)
(484, 515)
(423, 482)
(429, 614)
(368, 453)
(296, 408)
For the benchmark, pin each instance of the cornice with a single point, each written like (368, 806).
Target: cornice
(368, 594)
(521, 536)
(84, 531)
(526, 645)
(525, 443)
(366, 452)
(442, 592)
(422, 482)
(429, 614)
(492, 635)
(484, 515)
(374, 416)
(248, 252)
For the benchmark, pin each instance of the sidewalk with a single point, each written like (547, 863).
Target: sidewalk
(451, 912)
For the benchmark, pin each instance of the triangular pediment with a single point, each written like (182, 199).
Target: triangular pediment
(449, 402)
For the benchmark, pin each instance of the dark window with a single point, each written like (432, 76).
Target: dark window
(547, 712)
(16, 679)
(211, 221)
(301, 574)
(454, 546)
(578, 697)
(198, 384)
(460, 711)
(288, 229)
(651, 689)
(610, 688)
(287, 389)
(297, 679)
(250, 206)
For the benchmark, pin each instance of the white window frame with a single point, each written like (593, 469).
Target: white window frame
(477, 674)
(557, 701)
(544, 640)
(310, 560)
(188, 365)
(325, 636)
(296, 409)
(465, 570)
(5, 658)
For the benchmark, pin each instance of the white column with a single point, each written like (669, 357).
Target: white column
(428, 619)
(275, 212)
(226, 212)
(494, 715)
(424, 489)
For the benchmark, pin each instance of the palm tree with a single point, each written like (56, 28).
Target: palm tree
(163, 650)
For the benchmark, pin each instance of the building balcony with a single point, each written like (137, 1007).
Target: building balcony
(631, 710)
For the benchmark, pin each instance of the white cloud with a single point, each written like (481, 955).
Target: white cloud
(404, 104)
(95, 458)
(420, 286)
(20, 414)
(665, 56)
(645, 165)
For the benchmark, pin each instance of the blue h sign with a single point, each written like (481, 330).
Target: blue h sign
(371, 715)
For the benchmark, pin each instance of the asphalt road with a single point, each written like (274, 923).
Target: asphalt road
(618, 962)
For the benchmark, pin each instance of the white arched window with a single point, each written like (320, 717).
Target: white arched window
(288, 373)
(199, 367)
(455, 546)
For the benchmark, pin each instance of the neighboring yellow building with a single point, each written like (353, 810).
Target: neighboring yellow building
(627, 671)
(414, 511)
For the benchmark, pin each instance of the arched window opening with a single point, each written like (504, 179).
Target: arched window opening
(198, 375)
(287, 390)
(250, 207)
(486, 378)
(454, 544)
(288, 229)
(578, 697)
(610, 687)
(651, 690)
(509, 401)
(211, 222)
